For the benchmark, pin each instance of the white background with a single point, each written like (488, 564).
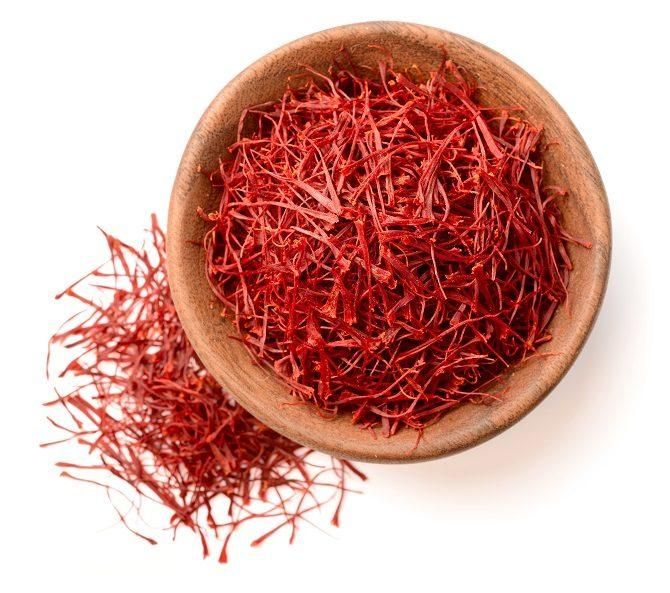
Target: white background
(96, 107)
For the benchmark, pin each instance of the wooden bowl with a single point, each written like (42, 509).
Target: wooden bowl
(257, 388)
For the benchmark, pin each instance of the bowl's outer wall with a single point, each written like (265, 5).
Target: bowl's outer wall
(567, 163)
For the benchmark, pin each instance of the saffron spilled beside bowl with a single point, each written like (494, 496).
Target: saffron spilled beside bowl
(256, 386)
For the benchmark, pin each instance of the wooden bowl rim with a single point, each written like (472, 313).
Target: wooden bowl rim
(301, 423)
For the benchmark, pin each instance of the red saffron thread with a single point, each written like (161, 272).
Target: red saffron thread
(387, 245)
(152, 416)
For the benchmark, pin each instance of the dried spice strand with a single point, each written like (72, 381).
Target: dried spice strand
(387, 245)
(152, 416)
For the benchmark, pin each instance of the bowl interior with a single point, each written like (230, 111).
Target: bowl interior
(567, 163)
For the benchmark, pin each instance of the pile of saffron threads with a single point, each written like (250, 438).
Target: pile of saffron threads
(386, 243)
(151, 415)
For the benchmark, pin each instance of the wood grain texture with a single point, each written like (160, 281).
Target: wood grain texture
(258, 389)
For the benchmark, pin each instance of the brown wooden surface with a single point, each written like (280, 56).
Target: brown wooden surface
(258, 389)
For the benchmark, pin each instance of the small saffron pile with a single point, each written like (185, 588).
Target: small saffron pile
(153, 417)
(386, 243)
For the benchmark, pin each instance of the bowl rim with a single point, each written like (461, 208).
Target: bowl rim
(328, 435)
